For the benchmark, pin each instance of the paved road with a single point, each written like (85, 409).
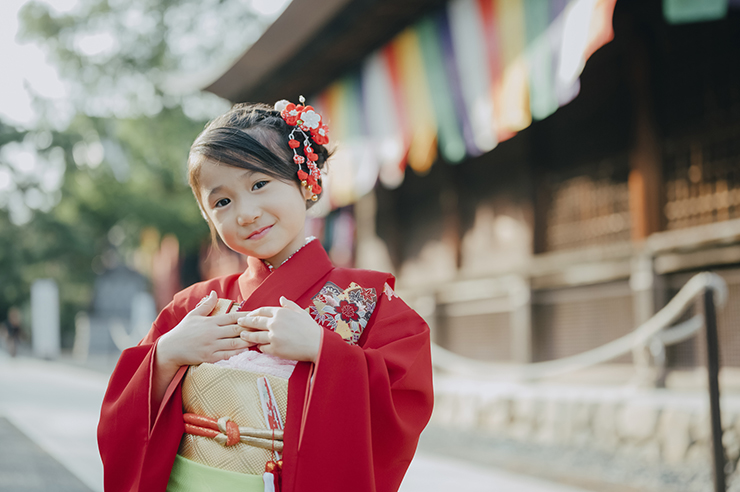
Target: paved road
(56, 406)
(25, 467)
(49, 412)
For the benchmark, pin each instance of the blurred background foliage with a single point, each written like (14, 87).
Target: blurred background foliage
(106, 166)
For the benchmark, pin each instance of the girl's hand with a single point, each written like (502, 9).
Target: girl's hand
(201, 338)
(287, 332)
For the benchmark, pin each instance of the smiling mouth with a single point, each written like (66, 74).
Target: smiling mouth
(259, 233)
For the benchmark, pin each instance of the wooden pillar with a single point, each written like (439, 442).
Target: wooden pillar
(645, 177)
(451, 186)
(451, 229)
(646, 196)
(520, 296)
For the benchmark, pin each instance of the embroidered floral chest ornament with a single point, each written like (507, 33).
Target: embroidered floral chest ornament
(306, 122)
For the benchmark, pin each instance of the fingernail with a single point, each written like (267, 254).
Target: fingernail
(241, 320)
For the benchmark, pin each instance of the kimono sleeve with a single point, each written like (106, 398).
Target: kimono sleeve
(126, 413)
(368, 404)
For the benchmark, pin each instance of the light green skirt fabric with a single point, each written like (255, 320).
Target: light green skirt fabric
(189, 476)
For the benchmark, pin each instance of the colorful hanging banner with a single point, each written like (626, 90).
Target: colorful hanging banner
(492, 44)
(459, 81)
(451, 143)
(384, 125)
(515, 77)
(453, 79)
(418, 101)
(543, 100)
(469, 54)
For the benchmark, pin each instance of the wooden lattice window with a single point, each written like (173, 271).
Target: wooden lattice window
(588, 208)
(571, 320)
(702, 180)
(478, 336)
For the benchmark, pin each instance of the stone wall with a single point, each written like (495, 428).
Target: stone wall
(656, 426)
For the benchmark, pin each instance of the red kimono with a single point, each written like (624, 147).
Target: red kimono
(354, 429)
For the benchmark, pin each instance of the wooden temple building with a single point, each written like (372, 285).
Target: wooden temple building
(565, 216)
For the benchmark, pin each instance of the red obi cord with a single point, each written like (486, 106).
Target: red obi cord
(199, 425)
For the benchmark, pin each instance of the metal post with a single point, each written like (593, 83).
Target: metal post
(710, 323)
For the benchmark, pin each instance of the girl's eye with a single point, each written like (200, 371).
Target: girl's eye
(259, 184)
(222, 202)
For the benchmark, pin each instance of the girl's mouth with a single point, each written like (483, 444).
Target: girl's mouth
(260, 233)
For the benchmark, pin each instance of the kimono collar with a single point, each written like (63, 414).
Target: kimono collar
(260, 287)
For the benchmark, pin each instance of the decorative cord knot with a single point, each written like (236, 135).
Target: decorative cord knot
(229, 432)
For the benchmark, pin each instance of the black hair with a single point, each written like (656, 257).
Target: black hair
(250, 136)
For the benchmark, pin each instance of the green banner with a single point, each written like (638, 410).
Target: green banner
(685, 11)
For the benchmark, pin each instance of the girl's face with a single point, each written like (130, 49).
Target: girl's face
(253, 213)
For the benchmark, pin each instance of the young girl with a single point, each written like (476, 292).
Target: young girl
(360, 392)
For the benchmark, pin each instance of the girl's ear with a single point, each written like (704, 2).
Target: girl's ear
(306, 194)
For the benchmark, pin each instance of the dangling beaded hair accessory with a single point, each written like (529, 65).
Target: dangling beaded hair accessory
(306, 122)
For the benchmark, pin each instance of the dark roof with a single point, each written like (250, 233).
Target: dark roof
(313, 43)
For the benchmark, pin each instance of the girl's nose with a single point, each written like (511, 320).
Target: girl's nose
(247, 217)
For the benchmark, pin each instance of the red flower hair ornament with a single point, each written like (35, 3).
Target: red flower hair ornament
(307, 123)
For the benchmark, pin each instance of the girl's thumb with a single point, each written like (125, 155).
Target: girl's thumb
(288, 304)
(206, 304)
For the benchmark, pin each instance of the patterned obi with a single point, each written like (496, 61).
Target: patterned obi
(230, 430)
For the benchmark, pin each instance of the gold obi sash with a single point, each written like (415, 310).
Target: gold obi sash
(216, 392)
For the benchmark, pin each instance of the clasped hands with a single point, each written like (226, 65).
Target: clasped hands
(286, 331)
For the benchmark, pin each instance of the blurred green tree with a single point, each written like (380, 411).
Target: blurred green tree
(78, 189)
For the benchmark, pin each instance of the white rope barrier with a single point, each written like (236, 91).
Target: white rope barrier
(657, 326)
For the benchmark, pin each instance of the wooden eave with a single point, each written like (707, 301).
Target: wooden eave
(313, 43)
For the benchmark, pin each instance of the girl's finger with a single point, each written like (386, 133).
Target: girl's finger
(268, 311)
(226, 344)
(256, 337)
(267, 348)
(254, 322)
(288, 304)
(227, 319)
(230, 331)
(206, 304)
(226, 354)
